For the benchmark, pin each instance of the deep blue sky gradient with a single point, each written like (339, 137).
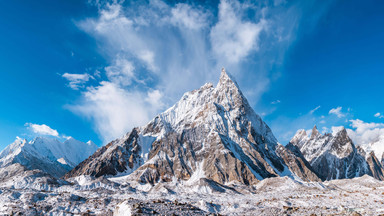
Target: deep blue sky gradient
(339, 61)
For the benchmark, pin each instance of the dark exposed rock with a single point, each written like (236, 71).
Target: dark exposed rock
(297, 163)
(375, 166)
(116, 157)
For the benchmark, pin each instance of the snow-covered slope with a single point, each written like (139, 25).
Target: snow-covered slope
(211, 133)
(334, 156)
(47, 154)
(16, 176)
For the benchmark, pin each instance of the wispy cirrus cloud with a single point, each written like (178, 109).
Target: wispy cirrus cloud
(76, 81)
(337, 112)
(314, 110)
(275, 102)
(379, 115)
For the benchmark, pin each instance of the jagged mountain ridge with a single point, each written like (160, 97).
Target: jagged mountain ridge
(212, 133)
(47, 154)
(335, 156)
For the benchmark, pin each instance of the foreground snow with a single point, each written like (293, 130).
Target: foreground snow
(273, 196)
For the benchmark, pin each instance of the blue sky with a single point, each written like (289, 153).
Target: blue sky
(95, 69)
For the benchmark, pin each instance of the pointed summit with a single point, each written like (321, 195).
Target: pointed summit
(226, 79)
(228, 93)
(299, 139)
(315, 132)
(90, 143)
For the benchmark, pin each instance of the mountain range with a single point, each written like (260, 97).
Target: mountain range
(208, 153)
(210, 134)
(335, 156)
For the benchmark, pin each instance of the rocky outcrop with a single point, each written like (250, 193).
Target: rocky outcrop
(118, 156)
(376, 168)
(211, 133)
(297, 163)
(382, 160)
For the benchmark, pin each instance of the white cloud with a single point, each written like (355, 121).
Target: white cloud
(368, 135)
(42, 129)
(276, 102)
(184, 14)
(77, 81)
(115, 111)
(157, 51)
(148, 57)
(337, 112)
(361, 126)
(121, 72)
(312, 111)
(379, 115)
(232, 38)
(155, 98)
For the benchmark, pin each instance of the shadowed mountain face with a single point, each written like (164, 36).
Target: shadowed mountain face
(211, 133)
(334, 156)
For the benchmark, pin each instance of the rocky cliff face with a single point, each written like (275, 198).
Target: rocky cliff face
(297, 162)
(211, 133)
(334, 156)
(376, 168)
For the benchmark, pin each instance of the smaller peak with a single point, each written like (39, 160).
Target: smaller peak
(19, 139)
(69, 138)
(91, 143)
(299, 136)
(301, 133)
(207, 86)
(372, 154)
(339, 131)
(315, 132)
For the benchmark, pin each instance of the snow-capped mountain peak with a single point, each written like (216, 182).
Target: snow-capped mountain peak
(315, 133)
(47, 154)
(211, 132)
(91, 143)
(334, 155)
